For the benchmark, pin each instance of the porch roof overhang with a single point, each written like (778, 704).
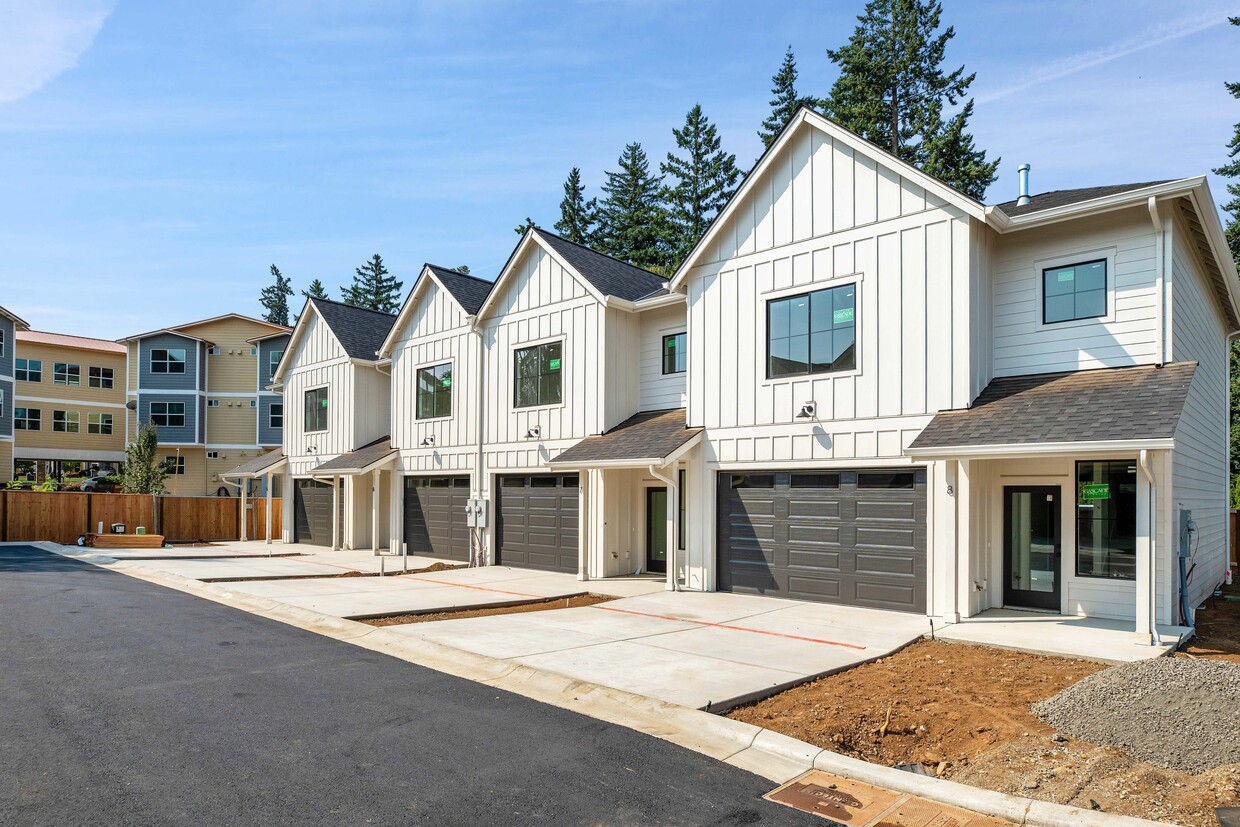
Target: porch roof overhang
(1061, 414)
(260, 466)
(649, 438)
(370, 457)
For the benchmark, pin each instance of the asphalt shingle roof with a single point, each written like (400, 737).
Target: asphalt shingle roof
(469, 291)
(651, 435)
(257, 465)
(361, 332)
(610, 276)
(1084, 406)
(1060, 198)
(359, 458)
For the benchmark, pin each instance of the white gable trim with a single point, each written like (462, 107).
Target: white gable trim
(531, 238)
(805, 116)
(406, 311)
(299, 333)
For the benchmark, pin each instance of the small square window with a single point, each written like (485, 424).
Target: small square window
(175, 466)
(538, 375)
(213, 403)
(1075, 291)
(99, 423)
(64, 373)
(100, 378)
(675, 353)
(66, 422)
(29, 370)
(27, 419)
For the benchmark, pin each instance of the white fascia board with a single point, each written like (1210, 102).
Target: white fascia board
(651, 303)
(1039, 449)
(1003, 223)
(406, 309)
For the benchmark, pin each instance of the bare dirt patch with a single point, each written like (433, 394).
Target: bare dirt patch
(1218, 628)
(574, 602)
(963, 712)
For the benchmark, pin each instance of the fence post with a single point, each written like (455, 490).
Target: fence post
(4, 516)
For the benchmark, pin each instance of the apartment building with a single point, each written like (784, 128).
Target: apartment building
(10, 323)
(68, 404)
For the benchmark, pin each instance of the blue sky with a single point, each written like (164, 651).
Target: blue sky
(157, 157)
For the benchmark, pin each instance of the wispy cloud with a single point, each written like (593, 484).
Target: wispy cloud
(39, 41)
(1151, 36)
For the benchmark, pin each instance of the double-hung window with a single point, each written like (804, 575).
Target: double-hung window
(27, 419)
(64, 373)
(168, 360)
(675, 353)
(66, 422)
(1076, 291)
(1106, 519)
(29, 370)
(168, 414)
(273, 362)
(316, 410)
(434, 395)
(276, 415)
(812, 332)
(100, 378)
(99, 423)
(537, 374)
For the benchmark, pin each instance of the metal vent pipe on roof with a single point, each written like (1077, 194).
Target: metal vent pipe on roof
(1023, 171)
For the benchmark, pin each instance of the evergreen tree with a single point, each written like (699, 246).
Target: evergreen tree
(315, 290)
(373, 288)
(463, 269)
(892, 90)
(785, 102)
(705, 178)
(527, 225)
(631, 219)
(578, 216)
(274, 298)
(1231, 170)
(143, 472)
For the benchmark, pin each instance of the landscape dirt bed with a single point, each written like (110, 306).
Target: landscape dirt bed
(1218, 628)
(574, 602)
(963, 712)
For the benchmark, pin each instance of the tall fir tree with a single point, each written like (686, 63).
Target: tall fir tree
(893, 91)
(578, 217)
(785, 100)
(1231, 170)
(274, 298)
(632, 223)
(315, 290)
(463, 269)
(373, 287)
(527, 224)
(703, 179)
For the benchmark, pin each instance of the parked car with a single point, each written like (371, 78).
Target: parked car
(102, 484)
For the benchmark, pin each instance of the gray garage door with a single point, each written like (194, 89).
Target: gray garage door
(312, 513)
(538, 522)
(856, 536)
(435, 517)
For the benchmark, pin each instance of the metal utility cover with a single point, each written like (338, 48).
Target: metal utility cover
(854, 804)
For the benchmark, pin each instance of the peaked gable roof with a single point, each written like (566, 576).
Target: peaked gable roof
(469, 291)
(181, 328)
(18, 322)
(360, 331)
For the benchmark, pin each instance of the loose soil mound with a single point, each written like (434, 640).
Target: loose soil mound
(574, 602)
(1174, 713)
(1218, 628)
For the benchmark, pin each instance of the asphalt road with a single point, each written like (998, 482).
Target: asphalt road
(125, 703)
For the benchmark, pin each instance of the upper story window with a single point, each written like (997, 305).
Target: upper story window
(2, 344)
(99, 423)
(316, 410)
(66, 422)
(168, 360)
(435, 391)
(675, 353)
(100, 378)
(537, 375)
(29, 370)
(1077, 291)
(812, 333)
(276, 415)
(66, 374)
(273, 362)
(168, 414)
(27, 419)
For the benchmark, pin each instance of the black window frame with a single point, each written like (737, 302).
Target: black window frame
(22, 422)
(96, 376)
(1077, 317)
(316, 400)
(678, 353)
(72, 374)
(837, 364)
(438, 395)
(543, 376)
(23, 374)
(168, 415)
(273, 362)
(1127, 571)
(271, 415)
(167, 362)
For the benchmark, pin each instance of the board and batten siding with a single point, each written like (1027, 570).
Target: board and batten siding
(1128, 336)
(660, 391)
(1200, 459)
(436, 332)
(318, 361)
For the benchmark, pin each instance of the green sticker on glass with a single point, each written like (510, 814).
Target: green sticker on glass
(1096, 491)
(446, 382)
(671, 343)
(843, 315)
(554, 364)
(323, 404)
(1067, 275)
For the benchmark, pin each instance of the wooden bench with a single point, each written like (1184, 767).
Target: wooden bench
(125, 540)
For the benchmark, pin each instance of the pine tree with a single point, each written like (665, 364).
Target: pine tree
(373, 288)
(143, 472)
(705, 179)
(528, 224)
(785, 102)
(631, 218)
(315, 290)
(892, 90)
(578, 217)
(274, 298)
(1231, 170)
(463, 269)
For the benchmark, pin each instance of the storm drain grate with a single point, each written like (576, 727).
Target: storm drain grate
(853, 804)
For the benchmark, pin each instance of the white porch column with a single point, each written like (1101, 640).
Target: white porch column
(673, 513)
(584, 525)
(335, 513)
(396, 512)
(596, 552)
(1146, 490)
(245, 518)
(964, 539)
(374, 510)
(267, 482)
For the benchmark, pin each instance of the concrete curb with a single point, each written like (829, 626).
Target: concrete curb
(763, 752)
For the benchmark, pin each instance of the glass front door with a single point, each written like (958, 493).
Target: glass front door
(656, 529)
(1032, 543)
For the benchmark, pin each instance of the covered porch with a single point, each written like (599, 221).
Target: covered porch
(631, 484)
(265, 468)
(362, 489)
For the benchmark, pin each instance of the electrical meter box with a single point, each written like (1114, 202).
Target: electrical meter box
(476, 513)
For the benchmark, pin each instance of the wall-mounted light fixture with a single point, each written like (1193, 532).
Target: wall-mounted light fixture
(808, 410)
(314, 449)
(534, 432)
(428, 441)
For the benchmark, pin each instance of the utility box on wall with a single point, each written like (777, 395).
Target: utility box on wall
(476, 514)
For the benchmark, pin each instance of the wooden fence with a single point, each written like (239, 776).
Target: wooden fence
(62, 516)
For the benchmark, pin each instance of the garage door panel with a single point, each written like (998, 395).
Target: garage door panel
(312, 513)
(812, 532)
(881, 537)
(814, 559)
(880, 510)
(886, 595)
(823, 510)
(886, 564)
(814, 588)
(435, 517)
(538, 522)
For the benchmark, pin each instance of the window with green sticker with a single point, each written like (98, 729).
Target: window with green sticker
(812, 332)
(1077, 291)
(316, 410)
(1106, 519)
(537, 375)
(675, 353)
(435, 391)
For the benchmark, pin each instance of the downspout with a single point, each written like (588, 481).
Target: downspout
(1144, 459)
(1160, 279)
(672, 570)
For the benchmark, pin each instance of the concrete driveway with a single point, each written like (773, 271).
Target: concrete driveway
(691, 648)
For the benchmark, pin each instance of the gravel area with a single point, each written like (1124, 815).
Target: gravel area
(1172, 712)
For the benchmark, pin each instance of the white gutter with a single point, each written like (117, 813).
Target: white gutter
(1003, 222)
(1038, 449)
(1143, 459)
(1159, 279)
